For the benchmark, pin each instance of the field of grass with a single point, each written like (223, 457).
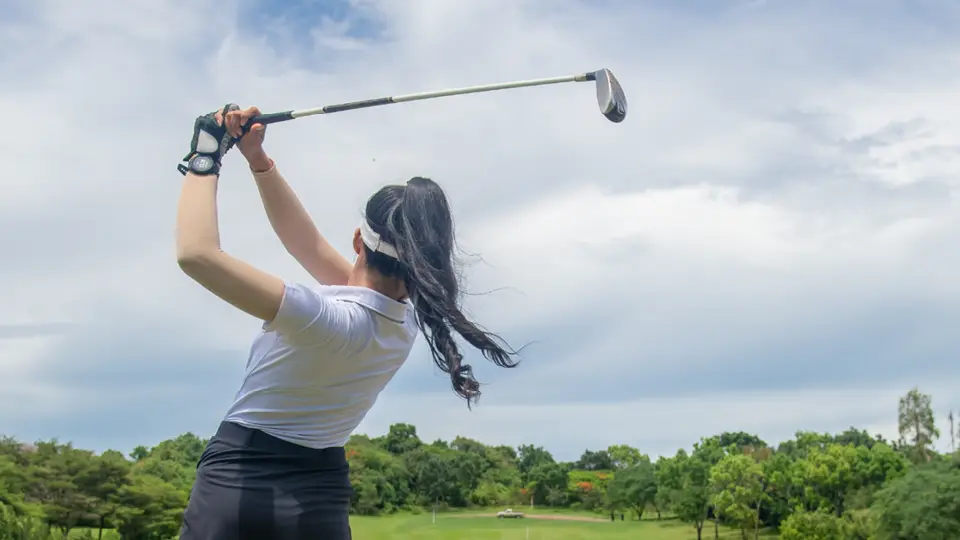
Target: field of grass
(473, 525)
(466, 527)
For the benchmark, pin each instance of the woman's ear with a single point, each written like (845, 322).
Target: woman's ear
(357, 241)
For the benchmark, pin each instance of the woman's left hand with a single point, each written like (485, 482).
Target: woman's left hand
(225, 129)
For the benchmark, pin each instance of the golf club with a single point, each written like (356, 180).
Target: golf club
(610, 97)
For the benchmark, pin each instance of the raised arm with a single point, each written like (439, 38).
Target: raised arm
(291, 222)
(297, 311)
(198, 233)
(200, 257)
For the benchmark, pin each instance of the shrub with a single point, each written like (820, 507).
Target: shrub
(815, 526)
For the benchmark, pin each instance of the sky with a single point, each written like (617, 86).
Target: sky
(768, 243)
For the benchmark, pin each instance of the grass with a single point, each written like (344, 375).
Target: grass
(466, 525)
(452, 527)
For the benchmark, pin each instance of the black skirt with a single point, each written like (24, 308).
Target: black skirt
(254, 486)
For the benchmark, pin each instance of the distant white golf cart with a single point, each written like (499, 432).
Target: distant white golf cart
(509, 513)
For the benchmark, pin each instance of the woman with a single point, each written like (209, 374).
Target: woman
(276, 468)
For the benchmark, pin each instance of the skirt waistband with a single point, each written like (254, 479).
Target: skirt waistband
(246, 437)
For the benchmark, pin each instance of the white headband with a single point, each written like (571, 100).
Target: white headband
(372, 240)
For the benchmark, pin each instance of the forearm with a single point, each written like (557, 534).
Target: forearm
(287, 215)
(198, 233)
(294, 226)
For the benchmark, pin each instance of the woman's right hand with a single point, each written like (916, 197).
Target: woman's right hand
(251, 142)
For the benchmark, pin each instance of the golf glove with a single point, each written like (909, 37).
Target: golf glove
(209, 144)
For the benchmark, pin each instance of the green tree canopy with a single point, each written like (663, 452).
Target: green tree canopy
(924, 504)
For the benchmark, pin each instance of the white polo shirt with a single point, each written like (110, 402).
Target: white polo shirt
(318, 367)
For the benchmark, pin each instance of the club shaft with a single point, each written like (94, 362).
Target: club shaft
(376, 102)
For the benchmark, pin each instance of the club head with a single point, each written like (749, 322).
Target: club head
(610, 97)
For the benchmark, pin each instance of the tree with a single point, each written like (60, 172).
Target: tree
(669, 480)
(467, 469)
(556, 496)
(381, 481)
(402, 438)
(855, 437)
(802, 443)
(12, 504)
(737, 490)
(693, 498)
(185, 450)
(545, 477)
(51, 481)
(624, 456)
(953, 432)
(634, 488)
(923, 504)
(782, 491)
(490, 493)
(431, 475)
(834, 478)
(104, 481)
(690, 496)
(139, 453)
(917, 425)
(874, 466)
(824, 478)
(529, 457)
(815, 485)
(587, 489)
(740, 440)
(709, 451)
(150, 509)
(594, 461)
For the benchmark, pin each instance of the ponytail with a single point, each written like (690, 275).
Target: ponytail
(416, 220)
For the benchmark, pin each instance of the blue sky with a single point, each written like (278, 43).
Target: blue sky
(767, 244)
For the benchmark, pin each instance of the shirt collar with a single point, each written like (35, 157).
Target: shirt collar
(374, 301)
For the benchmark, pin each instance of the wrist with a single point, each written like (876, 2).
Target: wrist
(260, 162)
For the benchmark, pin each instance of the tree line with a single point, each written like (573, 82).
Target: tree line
(851, 485)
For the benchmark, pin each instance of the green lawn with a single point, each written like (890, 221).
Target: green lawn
(452, 527)
(462, 525)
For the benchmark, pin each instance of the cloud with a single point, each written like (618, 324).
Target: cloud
(775, 223)
(27, 330)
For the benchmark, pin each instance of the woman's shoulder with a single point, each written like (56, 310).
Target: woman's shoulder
(348, 296)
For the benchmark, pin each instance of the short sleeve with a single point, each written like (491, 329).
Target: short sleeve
(304, 310)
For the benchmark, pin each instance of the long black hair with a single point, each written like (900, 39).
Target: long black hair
(415, 218)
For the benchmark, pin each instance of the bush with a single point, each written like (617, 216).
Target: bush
(9, 523)
(859, 525)
(25, 527)
(815, 526)
(490, 494)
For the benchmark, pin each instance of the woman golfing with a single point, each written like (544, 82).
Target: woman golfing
(276, 468)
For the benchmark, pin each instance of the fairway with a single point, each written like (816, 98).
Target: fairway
(473, 526)
(459, 527)
(456, 526)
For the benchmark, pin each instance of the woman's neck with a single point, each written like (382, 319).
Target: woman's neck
(389, 287)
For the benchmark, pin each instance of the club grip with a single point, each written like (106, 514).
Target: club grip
(271, 118)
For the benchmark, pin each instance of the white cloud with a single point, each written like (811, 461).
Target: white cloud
(785, 190)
